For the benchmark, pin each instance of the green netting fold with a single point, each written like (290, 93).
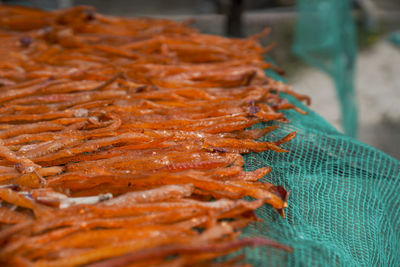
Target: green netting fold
(325, 38)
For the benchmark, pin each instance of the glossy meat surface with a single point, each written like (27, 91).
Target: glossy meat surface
(121, 140)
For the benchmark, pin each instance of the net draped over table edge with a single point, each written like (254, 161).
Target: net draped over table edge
(343, 205)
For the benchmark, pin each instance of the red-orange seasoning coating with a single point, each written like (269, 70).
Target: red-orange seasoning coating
(121, 140)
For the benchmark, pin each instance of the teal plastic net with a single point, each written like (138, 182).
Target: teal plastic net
(395, 38)
(325, 37)
(344, 204)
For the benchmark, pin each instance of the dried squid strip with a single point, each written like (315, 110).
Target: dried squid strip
(187, 249)
(9, 216)
(121, 140)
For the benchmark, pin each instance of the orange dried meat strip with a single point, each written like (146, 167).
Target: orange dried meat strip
(148, 110)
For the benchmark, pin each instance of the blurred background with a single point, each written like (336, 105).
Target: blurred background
(373, 46)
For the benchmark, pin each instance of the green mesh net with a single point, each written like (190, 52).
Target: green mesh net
(325, 38)
(344, 205)
(395, 38)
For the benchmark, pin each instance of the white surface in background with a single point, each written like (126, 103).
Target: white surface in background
(378, 94)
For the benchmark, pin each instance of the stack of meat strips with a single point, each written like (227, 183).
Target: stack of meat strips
(121, 141)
